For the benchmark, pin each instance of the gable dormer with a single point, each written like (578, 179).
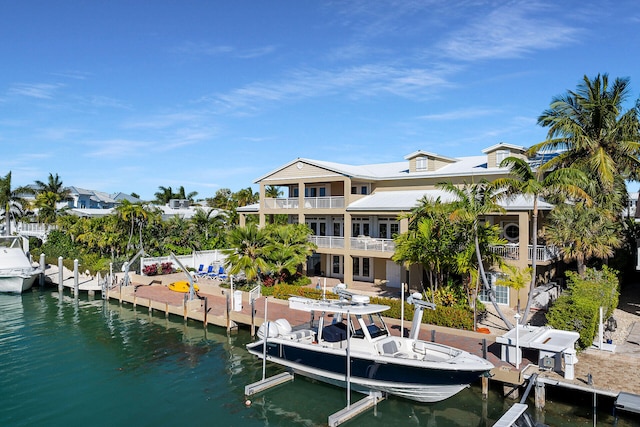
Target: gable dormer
(497, 153)
(423, 161)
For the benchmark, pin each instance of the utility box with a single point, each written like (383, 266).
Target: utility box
(237, 301)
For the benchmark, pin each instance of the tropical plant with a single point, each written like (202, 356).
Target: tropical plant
(515, 278)
(473, 202)
(288, 248)
(14, 205)
(164, 195)
(598, 136)
(245, 253)
(535, 185)
(581, 232)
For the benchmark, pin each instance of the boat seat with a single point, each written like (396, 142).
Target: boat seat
(300, 335)
(390, 348)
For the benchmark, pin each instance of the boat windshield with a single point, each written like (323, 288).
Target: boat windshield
(375, 325)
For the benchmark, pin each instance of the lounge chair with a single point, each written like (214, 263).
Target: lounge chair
(221, 274)
(200, 270)
(207, 273)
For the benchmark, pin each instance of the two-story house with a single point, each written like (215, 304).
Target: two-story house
(354, 211)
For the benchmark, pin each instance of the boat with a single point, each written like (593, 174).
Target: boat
(406, 367)
(17, 274)
(182, 286)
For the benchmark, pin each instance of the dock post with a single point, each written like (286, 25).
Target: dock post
(484, 348)
(485, 387)
(253, 318)
(43, 267)
(433, 335)
(134, 300)
(60, 275)
(228, 314)
(206, 309)
(150, 308)
(540, 395)
(184, 307)
(75, 278)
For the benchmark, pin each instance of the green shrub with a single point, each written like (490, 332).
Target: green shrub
(578, 309)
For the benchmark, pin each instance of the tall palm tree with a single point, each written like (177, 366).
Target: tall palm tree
(599, 137)
(535, 185)
(183, 195)
(53, 185)
(137, 215)
(13, 203)
(473, 202)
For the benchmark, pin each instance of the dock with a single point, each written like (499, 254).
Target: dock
(213, 305)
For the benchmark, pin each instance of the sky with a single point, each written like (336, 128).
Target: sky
(130, 95)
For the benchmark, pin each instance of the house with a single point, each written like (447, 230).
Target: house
(355, 210)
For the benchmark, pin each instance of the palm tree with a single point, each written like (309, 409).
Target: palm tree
(13, 204)
(535, 184)
(583, 232)
(136, 214)
(599, 137)
(181, 194)
(246, 251)
(53, 185)
(474, 201)
(164, 195)
(288, 248)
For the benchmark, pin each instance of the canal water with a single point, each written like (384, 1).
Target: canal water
(76, 362)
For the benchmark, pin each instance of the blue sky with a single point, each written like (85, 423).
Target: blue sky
(129, 95)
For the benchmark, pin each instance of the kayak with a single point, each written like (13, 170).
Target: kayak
(182, 286)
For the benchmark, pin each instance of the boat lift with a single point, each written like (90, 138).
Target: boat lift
(345, 414)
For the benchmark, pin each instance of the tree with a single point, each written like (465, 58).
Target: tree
(515, 278)
(164, 195)
(582, 232)
(13, 203)
(53, 185)
(535, 185)
(599, 137)
(246, 251)
(183, 195)
(288, 248)
(474, 201)
(137, 215)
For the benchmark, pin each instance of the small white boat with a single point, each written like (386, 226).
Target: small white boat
(17, 274)
(402, 366)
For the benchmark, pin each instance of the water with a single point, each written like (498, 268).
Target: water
(66, 362)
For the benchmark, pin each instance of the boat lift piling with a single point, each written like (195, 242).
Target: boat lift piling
(266, 383)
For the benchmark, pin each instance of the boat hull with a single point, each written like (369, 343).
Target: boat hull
(406, 380)
(17, 283)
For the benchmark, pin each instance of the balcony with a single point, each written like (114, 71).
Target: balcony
(357, 243)
(372, 244)
(334, 202)
(330, 242)
(512, 251)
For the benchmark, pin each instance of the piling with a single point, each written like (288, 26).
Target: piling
(540, 395)
(42, 267)
(76, 279)
(206, 310)
(60, 274)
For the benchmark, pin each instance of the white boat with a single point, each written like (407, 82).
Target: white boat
(402, 366)
(17, 274)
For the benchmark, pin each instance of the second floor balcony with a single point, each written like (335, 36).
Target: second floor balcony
(512, 251)
(357, 243)
(332, 202)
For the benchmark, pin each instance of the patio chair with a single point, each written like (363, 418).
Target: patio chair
(221, 274)
(200, 270)
(208, 273)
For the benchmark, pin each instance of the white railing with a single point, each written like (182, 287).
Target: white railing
(543, 253)
(512, 251)
(35, 228)
(331, 242)
(373, 244)
(287, 203)
(335, 202)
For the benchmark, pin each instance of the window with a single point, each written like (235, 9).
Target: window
(511, 232)
(355, 228)
(421, 163)
(356, 266)
(365, 267)
(336, 264)
(354, 190)
(501, 292)
(336, 229)
(501, 155)
(364, 190)
(323, 191)
(323, 229)
(395, 228)
(382, 231)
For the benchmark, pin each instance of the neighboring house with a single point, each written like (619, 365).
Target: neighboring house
(80, 198)
(353, 212)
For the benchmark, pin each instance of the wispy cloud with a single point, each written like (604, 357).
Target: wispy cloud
(118, 148)
(209, 49)
(35, 90)
(466, 113)
(356, 82)
(507, 32)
